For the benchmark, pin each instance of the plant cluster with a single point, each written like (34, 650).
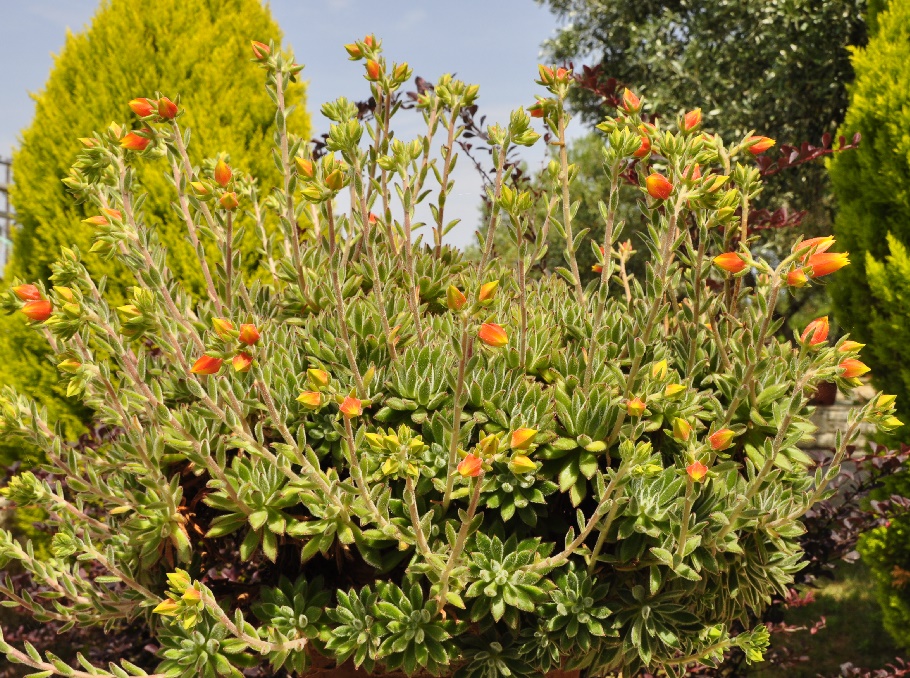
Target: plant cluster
(424, 463)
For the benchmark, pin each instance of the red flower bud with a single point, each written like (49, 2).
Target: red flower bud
(374, 70)
(142, 107)
(658, 186)
(351, 407)
(536, 110)
(167, 109)
(39, 310)
(761, 144)
(470, 467)
(731, 262)
(827, 263)
(493, 335)
(816, 332)
(261, 51)
(853, 368)
(242, 362)
(223, 173)
(721, 439)
(630, 102)
(27, 292)
(696, 471)
(229, 201)
(645, 147)
(249, 335)
(134, 142)
(206, 365)
(692, 119)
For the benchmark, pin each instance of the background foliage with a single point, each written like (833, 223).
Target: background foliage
(132, 47)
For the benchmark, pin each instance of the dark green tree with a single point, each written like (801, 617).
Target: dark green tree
(779, 67)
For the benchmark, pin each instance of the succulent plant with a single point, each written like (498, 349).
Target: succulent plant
(383, 451)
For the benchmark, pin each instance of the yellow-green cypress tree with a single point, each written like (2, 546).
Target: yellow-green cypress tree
(197, 49)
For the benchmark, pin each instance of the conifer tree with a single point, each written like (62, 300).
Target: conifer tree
(173, 46)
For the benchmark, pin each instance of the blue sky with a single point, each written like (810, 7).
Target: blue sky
(494, 43)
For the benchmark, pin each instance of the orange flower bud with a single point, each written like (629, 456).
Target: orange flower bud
(696, 471)
(400, 72)
(761, 144)
(142, 107)
(797, 278)
(134, 142)
(488, 291)
(353, 50)
(692, 173)
(692, 119)
(96, 220)
(200, 188)
(470, 467)
(814, 245)
(731, 262)
(816, 332)
(493, 335)
(229, 201)
(721, 439)
(223, 328)
(635, 407)
(827, 263)
(167, 109)
(206, 365)
(673, 390)
(374, 70)
(853, 368)
(681, 429)
(38, 310)
(369, 40)
(536, 110)
(249, 334)
(335, 180)
(455, 299)
(351, 407)
(305, 168)
(645, 147)
(658, 186)
(630, 102)
(27, 292)
(242, 362)
(522, 438)
(223, 173)
(546, 74)
(850, 346)
(318, 378)
(310, 399)
(521, 464)
(260, 50)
